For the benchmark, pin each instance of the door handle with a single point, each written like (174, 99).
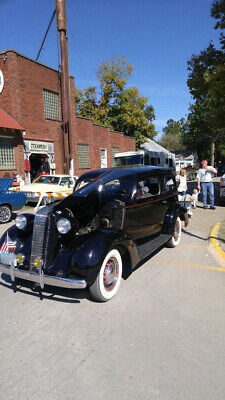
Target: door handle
(164, 201)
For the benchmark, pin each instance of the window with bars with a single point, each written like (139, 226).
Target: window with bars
(114, 150)
(51, 105)
(83, 155)
(6, 152)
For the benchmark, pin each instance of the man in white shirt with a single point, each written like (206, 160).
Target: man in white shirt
(205, 183)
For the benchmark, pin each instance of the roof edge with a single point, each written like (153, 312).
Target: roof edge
(30, 59)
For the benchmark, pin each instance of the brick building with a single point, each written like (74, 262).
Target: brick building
(30, 122)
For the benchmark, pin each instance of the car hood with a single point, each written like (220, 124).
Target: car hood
(44, 187)
(5, 184)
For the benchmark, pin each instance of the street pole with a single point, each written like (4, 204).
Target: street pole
(65, 86)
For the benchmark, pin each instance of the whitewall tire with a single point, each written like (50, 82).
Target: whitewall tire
(175, 240)
(108, 280)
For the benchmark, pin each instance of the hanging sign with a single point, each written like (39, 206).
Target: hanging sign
(1, 81)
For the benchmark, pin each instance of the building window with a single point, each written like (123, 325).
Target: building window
(51, 105)
(114, 150)
(83, 155)
(6, 152)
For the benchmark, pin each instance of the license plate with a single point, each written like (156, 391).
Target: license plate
(8, 258)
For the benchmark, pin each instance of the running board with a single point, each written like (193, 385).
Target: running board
(149, 247)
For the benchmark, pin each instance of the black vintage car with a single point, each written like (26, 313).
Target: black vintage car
(114, 219)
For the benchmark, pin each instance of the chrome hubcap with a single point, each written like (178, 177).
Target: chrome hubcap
(4, 214)
(111, 274)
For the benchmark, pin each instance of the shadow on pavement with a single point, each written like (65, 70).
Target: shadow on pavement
(49, 292)
(200, 237)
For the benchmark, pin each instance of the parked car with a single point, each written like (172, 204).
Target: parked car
(222, 188)
(114, 219)
(51, 184)
(9, 202)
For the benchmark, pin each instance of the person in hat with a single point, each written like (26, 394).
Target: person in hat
(205, 183)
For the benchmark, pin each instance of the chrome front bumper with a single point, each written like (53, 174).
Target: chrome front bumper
(42, 279)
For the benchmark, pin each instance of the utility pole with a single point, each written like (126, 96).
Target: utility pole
(65, 87)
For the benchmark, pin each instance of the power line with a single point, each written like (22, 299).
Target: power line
(46, 33)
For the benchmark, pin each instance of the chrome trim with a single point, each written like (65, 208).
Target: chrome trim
(42, 279)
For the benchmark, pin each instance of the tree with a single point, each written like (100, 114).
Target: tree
(206, 82)
(218, 12)
(172, 135)
(121, 108)
(86, 102)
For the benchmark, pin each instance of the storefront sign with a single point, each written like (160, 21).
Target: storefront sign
(1, 81)
(38, 146)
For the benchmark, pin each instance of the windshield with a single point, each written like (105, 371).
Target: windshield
(82, 183)
(137, 159)
(47, 179)
(84, 180)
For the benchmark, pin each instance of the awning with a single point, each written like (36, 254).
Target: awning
(8, 122)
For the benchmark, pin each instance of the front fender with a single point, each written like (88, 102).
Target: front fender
(22, 239)
(88, 257)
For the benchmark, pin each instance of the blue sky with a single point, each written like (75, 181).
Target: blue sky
(156, 36)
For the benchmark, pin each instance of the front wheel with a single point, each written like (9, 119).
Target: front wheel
(175, 240)
(5, 213)
(108, 280)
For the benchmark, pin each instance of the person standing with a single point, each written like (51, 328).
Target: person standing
(182, 182)
(205, 183)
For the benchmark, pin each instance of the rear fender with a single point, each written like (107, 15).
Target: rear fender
(175, 211)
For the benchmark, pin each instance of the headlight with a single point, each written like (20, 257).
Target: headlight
(63, 225)
(21, 221)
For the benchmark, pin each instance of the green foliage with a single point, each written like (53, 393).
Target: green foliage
(172, 135)
(206, 82)
(86, 102)
(218, 12)
(121, 108)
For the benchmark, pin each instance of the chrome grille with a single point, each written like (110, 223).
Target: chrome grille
(38, 240)
(45, 236)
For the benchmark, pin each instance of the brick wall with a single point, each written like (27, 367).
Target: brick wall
(22, 99)
(100, 137)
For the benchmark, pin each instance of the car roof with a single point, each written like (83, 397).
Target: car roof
(123, 171)
(56, 175)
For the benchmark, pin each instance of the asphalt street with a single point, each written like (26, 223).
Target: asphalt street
(162, 337)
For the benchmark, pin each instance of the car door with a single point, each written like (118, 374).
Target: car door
(146, 213)
(169, 191)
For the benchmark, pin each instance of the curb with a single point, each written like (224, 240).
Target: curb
(215, 243)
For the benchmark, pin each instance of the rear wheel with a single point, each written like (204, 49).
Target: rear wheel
(108, 280)
(175, 240)
(5, 213)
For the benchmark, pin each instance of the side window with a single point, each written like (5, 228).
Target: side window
(65, 181)
(148, 187)
(146, 159)
(169, 184)
(170, 163)
(153, 161)
(111, 185)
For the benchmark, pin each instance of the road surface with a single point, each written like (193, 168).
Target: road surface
(162, 337)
